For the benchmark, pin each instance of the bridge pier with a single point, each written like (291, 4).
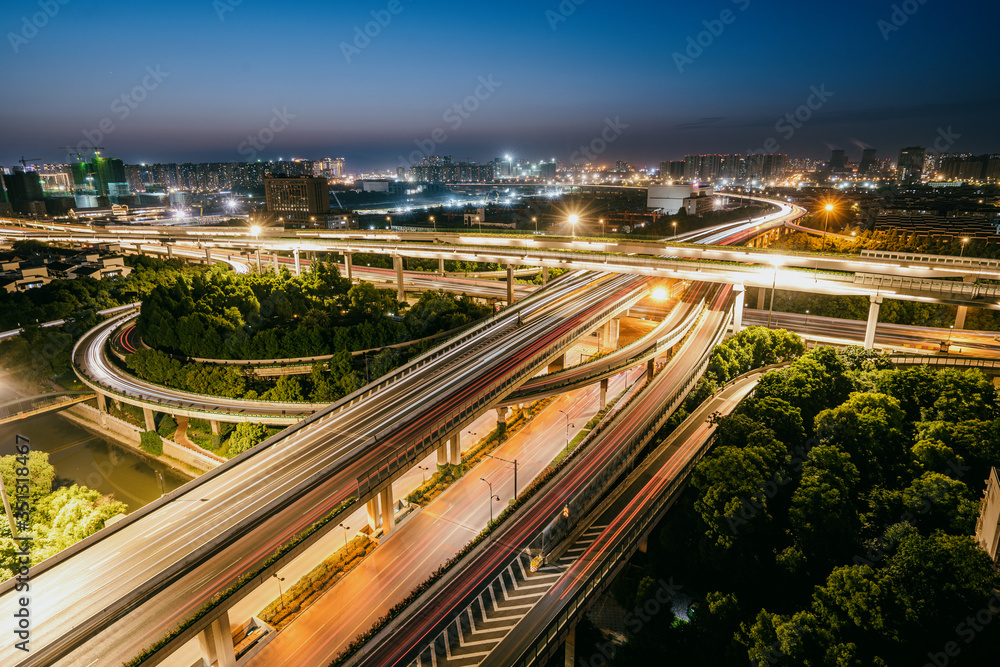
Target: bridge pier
(502, 419)
(102, 403)
(372, 509)
(650, 369)
(441, 265)
(150, 418)
(614, 332)
(208, 255)
(545, 275)
(570, 649)
(298, 265)
(388, 509)
(442, 453)
(876, 304)
(604, 393)
(738, 308)
(216, 642)
(510, 284)
(455, 449)
(170, 251)
(761, 293)
(558, 363)
(216, 428)
(274, 263)
(960, 317)
(260, 269)
(397, 262)
(348, 266)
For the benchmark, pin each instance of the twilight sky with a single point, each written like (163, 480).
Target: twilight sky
(232, 80)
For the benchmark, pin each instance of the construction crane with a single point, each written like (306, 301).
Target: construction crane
(24, 163)
(73, 150)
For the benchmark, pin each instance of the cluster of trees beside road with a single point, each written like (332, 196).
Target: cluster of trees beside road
(832, 523)
(221, 315)
(59, 517)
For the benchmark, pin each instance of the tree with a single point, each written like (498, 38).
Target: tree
(286, 390)
(869, 428)
(245, 436)
(823, 519)
(41, 474)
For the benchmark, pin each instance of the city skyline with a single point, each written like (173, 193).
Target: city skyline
(524, 79)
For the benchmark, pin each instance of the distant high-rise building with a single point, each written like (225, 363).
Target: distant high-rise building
(328, 168)
(910, 167)
(930, 166)
(692, 167)
(838, 160)
(23, 186)
(300, 201)
(677, 169)
(774, 167)
(442, 169)
(731, 166)
(547, 170)
(622, 167)
(868, 162)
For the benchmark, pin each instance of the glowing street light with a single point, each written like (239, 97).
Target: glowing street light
(573, 219)
(674, 223)
(434, 223)
(534, 219)
(660, 294)
(962, 254)
(255, 230)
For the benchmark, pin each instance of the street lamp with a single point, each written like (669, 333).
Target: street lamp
(281, 596)
(602, 226)
(434, 223)
(567, 430)
(388, 219)
(346, 528)
(962, 254)
(674, 223)
(480, 223)
(573, 219)
(491, 498)
(806, 328)
(423, 474)
(534, 219)
(514, 462)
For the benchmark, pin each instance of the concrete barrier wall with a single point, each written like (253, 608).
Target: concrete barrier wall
(188, 456)
(113, 424)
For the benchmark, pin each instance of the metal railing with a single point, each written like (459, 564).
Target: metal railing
(929, 360)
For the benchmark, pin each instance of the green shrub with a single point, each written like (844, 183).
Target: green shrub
(151, 443)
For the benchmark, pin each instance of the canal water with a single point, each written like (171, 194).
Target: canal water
(80, 457)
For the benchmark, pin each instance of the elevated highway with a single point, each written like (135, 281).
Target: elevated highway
(125, 587)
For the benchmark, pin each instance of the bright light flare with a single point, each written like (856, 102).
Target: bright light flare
(255, 230)
(660, 294)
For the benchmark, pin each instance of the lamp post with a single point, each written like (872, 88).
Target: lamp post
(434, 223)
(388, 220)
(602, 226)
(423, 474)
(567, 430)
(534, 219)
(514, 462)
(806, 327)
(962, 254)
(491, 498)
(346, 528)
(674, 223)
(281, 596)
(480, 223)
(826, 223)
(573, 219)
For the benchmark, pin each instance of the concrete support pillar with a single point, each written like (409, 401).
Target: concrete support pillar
(558, 363)
(397, 262)
(876, 302)
(455, 449)
(960, 317)
(260, 268)
(761, 293)
(738, 309)
(545, 275)
(441, 265)
(102, 403)
(614, 332)
(604, 392)
(348, 266)
(170, 251)
(510, 285)
(298, 265)
(502, 419)
(216, 642)
(388, 509)
(372, 508)
(650, 368)
(274, 262)
(150, 418)
(603, 334)
(570, 650)
(208, 255)
(443, 454)
(216, 428)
